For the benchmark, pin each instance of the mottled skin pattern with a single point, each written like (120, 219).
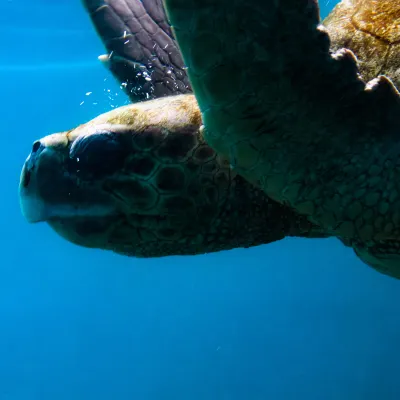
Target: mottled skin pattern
(140, 180)
(308, 130)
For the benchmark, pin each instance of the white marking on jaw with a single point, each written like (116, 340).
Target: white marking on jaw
(36, 210)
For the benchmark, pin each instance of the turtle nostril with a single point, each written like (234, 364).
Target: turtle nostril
(26, 178)
(36, 146)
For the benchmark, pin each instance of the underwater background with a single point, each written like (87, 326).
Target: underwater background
(297, 319)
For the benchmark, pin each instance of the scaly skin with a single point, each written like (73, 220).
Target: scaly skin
(307, 130)
(140, 181)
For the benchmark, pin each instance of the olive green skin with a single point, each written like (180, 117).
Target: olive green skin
(308, 130)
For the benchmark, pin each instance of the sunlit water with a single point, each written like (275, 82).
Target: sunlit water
(296, 319)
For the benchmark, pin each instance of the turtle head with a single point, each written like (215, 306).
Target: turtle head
(50, 186)
(138, 180)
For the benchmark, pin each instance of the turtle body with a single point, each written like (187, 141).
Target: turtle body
(309, 130)
(293, 142)
(371, 29)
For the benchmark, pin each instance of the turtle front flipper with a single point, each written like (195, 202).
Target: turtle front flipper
(293, 117)
(142, 53)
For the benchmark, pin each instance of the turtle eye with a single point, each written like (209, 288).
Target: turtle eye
(97, 155)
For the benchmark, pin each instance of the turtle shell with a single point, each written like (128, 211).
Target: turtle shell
(371, 29)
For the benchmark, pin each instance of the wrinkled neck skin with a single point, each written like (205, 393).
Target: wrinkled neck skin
(249, 218)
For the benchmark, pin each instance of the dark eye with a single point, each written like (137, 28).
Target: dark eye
(97, 155)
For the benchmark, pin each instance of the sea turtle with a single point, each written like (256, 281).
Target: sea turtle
(140, 180)
(296, 118)
(112, 205)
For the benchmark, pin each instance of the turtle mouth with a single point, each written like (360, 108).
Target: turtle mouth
(46, 193)
(35, 210)
(52, 196)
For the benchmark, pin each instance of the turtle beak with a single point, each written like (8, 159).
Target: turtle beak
(37, 174)
(32, 206)
(49, 189)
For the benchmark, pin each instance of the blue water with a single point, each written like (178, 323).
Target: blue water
(296, 319)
